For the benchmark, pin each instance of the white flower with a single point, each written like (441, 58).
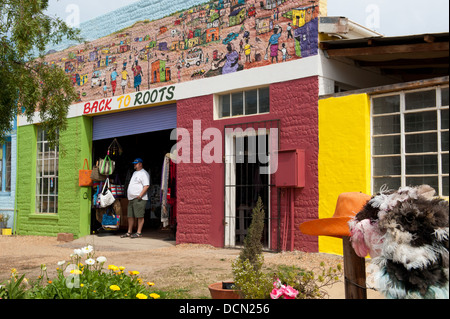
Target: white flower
(62, 262)
(101, 259)
(69, 269)
(90, 261)
(88, 249)
(78, 252)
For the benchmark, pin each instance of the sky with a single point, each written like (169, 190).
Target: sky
(388, 17)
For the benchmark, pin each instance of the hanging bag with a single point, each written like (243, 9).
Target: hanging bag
(117, 189)
(84, 175)
(106, 197)
(106, 166)
(95, 199)
(110, 220)
(95, 175)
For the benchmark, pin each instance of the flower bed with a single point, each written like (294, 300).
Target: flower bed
(82, 277)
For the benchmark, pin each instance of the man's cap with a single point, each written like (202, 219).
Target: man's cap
(138, 160)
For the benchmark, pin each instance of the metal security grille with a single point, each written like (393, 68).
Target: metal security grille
(246, 160)
(133, 122)
(47, 168)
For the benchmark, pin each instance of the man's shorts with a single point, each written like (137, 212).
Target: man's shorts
(136, 208)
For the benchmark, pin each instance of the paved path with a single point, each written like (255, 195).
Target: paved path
(113, 242)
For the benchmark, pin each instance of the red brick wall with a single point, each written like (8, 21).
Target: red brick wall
(200, 186)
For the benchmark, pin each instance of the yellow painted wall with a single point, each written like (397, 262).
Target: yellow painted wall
(344, 155)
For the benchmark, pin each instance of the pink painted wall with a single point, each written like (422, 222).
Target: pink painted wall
(200, 186)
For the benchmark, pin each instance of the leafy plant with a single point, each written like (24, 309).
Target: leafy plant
(82, 277)
(252, 242)
(15, 287)
(249, 278)
(27, 84)
(4, 219)
(287, 282)
(309, 284)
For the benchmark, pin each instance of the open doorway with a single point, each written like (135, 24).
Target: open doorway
(151, 148)
(244, 185)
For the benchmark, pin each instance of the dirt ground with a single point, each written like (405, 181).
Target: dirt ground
(186, 267)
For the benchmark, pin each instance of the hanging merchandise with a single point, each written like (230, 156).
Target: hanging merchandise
(168, 191)
(95, 175)
(117, 207)
(164, 189)
(110, 220)
(106, 197)
(106, 165)
(99, 212)
(117, 188)
(406, 234)
(114, 148)
(84, 175)
(95, 199)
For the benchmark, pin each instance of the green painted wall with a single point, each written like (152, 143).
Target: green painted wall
(74, 202)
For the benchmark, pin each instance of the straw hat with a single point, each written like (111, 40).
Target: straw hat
(347, 206)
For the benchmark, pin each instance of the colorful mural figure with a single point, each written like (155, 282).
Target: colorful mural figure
(215, 38)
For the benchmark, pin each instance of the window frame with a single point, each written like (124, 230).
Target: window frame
(41, 160)
(219, 107)
(402, 112)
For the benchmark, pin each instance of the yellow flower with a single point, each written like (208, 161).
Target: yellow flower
(150, 283)
(154, 296)
(140, 281)
(113, 268)
(13, 270)
(76, 272)
(141, 296)
(122, 268)
(114, 287)
(81, 285)
(134, 272)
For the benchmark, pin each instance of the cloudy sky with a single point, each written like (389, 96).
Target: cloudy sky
(389, 17)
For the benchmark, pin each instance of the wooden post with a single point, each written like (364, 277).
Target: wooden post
(354, 272)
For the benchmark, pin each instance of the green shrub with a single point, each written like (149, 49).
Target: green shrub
(308, 283)
(249, 278)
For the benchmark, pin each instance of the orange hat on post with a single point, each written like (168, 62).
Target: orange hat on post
(347, 206)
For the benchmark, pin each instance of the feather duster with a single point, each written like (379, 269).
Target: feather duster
(406, 234)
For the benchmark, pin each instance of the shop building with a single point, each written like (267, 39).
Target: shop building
(247, 129)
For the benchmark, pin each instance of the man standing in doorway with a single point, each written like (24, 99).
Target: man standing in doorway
(137, 198)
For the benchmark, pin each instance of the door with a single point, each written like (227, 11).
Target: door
(247, 157)
(136, 121)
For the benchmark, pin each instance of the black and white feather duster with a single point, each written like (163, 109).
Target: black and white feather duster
(406, 234)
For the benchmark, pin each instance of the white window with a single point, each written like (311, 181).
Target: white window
(241, 103)
(410, 142)
(46, 175)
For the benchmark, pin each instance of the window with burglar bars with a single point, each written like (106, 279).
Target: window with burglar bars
(410, 140)
(46, 175)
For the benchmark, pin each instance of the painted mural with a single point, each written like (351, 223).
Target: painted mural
(215, 38)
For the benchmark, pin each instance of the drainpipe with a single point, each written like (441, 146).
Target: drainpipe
(292, 218)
